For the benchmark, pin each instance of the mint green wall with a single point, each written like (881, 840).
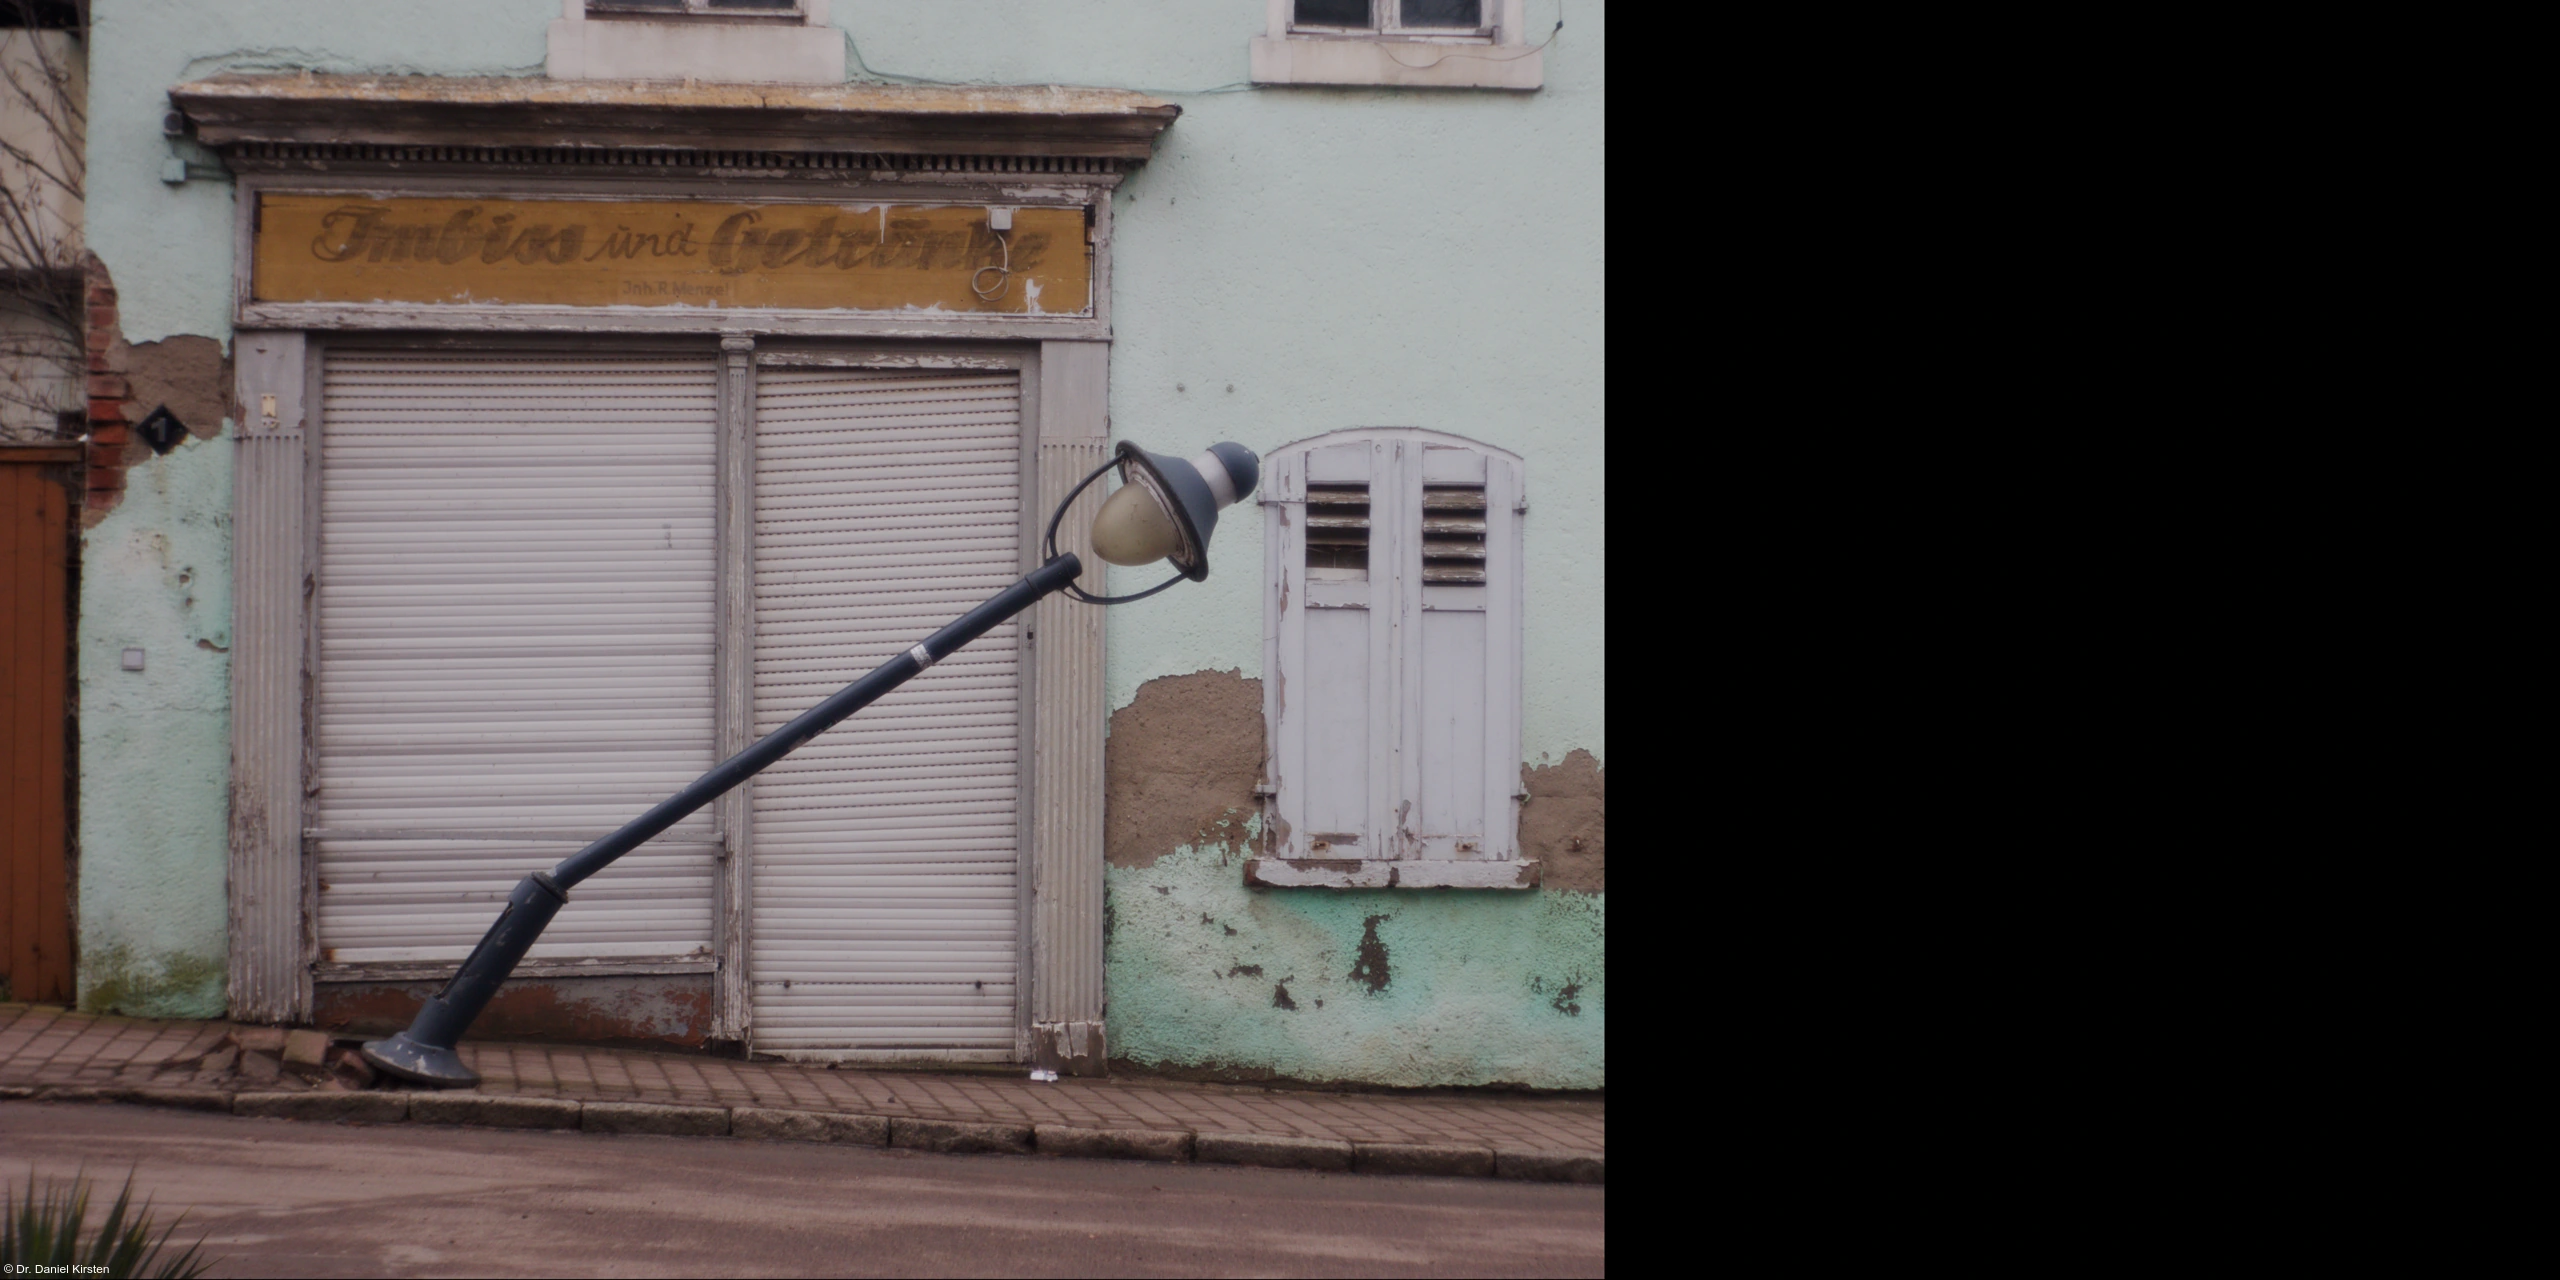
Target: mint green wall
(155, 745)
(1337, 257)
(1484, 988)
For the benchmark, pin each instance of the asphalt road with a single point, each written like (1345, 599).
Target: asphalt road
(287, 1198)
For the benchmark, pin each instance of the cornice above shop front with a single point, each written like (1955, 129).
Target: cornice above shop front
(1046, 122)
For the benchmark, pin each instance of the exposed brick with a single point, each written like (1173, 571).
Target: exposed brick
(109, 386)
(1114, 1144)
(651, 1117)
(114, 433)
(105, 410)
(104, 458)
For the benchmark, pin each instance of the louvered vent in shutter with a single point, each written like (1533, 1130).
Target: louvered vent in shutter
(1453, 534)
(885, 909)
(515, 646)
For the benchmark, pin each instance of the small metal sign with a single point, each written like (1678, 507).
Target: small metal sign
(162, 430)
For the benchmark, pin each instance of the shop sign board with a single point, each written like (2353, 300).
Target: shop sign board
(669, 253)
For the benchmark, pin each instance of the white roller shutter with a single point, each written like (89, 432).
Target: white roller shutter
(885, 900)
(515, 646)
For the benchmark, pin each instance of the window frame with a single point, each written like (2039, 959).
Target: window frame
(1401, 774)
(1386, 22)
(1387, 53)
(797, 11)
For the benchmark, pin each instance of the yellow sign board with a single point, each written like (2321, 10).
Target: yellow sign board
(671, 253)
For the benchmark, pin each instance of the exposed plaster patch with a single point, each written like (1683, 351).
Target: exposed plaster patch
(1180, 767)
(1564, 825)
(1280, 995)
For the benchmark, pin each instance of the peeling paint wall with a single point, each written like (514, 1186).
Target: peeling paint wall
(155, 744)
(1419, 987)
(1396, 987)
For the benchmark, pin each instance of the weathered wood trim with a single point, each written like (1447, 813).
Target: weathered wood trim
(1067, 893)
(1397, 873)
(647, 320)
(1046, 120)
(439, 971)
(732, 998)
(268, 978)
(1034, 521)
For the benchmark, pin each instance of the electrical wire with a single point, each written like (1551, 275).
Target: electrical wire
(1004, 274)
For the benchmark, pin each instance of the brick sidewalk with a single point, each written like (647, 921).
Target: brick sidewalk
(50, 1052)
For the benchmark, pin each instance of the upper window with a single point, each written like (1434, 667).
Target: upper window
(1455, 44)
(716, 41)
(1394, 17)
(722, 8)
(1391, 677)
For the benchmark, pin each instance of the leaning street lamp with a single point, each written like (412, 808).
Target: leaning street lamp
(1165, 509)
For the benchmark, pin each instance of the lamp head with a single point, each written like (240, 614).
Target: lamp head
(1167, 507)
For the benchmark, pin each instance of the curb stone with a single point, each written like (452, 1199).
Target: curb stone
(1423, 1158)
(1551, 1166)
(779, 1125)
(368, 1108)
(955, 1137)
(653, 1117)
(1265, 1152)
(189, 1099)
(1113, 1144)
(497, 1111)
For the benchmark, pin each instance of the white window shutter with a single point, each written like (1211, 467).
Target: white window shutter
(1395, 701)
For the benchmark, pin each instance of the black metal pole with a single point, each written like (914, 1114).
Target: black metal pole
(425, 1052)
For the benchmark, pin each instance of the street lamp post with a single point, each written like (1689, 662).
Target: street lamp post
(1165, 509)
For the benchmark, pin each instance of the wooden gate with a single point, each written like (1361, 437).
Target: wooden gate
(35, 651)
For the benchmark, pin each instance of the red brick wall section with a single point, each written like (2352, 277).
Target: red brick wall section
(109, 434)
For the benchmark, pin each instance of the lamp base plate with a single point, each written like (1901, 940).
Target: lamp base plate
(417, 1063)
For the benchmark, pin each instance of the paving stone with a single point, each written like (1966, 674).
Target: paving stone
(494, 1111)
(305, 1047)
(1551, 1166)
(1113, 1144)
(1445, 1160)
(368, 1108)
(259, 1066)
(652, 1117)
(958, 1136)
(262, 1039)
(1271, 1152)
(808, 1126)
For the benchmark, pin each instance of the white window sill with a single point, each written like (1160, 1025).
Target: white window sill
(1406, 63)
(712, 52)
(1410, 873)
